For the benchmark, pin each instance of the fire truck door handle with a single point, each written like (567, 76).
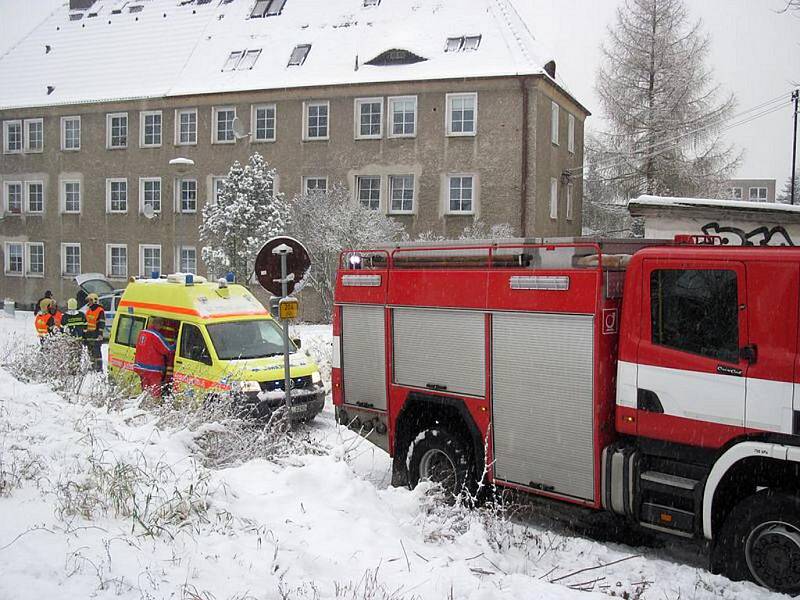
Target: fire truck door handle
(749, 353)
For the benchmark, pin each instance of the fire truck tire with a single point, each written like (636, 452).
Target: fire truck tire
(760, 541)
(442, 457)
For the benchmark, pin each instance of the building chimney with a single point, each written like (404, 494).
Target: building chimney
(550, 69)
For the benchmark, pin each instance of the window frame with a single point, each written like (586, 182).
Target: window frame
(733, 193)
(570, 133)
(357, 187)
(130, 343)
(180, 207)
(7, 124)
(215, 111)
(142, 182)
(215, 179)
(307, 104)
(553, 199)
(27, 197)
(178, 113)
(7, 259)
(63, 196)
(28, 261)
(570, 210)
(64, 121)
(254, 122)
(110, 181)
(142, 248)
(390, 194)
(391, 100)
(179, 258)
(110, 262)
(449, 114)
(64, 247)
(109, 130)
(7, 197)
(26, 141)
(307, 178)
(555, 109)
(357, 104)
(757, 198)
(473, 199)
(143, 128)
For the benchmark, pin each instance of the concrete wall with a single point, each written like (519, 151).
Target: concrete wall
(494, 156)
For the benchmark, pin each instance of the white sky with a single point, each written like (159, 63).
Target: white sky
(755, 53)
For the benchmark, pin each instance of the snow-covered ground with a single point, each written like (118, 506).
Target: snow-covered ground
(99, 502)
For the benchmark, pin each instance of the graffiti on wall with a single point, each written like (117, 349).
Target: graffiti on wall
(759, 236)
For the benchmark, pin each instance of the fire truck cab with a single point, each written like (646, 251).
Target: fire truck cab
(655, 380)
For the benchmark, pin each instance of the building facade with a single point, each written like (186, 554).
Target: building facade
(754, 190)
(87, 187)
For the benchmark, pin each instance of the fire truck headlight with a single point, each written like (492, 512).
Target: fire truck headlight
(316, 377)
(355, 261)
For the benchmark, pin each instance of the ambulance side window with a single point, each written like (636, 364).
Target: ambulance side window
(193, 346)
(128, 330)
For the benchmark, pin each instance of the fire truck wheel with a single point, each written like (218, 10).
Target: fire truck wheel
(760, 541)
(441, 457)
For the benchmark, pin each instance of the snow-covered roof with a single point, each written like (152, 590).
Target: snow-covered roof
(645, 202)
(128, 49)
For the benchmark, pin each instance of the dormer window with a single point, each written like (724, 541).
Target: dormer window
(241, 60)
(267, 8)
(395, 56)
(299, 55)
(463, 43)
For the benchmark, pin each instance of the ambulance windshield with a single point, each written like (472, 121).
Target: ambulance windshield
(256, 338)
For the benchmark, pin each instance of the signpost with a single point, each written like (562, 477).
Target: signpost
(280, 264)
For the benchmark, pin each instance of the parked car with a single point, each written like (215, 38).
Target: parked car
(99, 284)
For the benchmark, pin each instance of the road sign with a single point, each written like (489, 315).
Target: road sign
(268, 265)
(288, 308)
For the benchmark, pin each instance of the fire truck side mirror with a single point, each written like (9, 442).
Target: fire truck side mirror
(749, 353)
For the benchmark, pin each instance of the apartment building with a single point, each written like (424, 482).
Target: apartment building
(436, 114)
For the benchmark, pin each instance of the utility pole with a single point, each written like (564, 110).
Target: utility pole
(795, 95)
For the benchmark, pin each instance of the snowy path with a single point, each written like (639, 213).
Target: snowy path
(306, 526)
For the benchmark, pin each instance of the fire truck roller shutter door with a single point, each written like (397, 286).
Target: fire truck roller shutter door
(542, 401)
(440, 350)
(364, 355)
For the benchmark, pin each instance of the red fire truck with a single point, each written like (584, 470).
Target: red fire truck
(655, 380)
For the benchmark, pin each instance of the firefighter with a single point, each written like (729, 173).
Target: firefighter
(93, 334)
(44, 320)
(153, 355)
(56, 314)
(47, 296)
(74, 321)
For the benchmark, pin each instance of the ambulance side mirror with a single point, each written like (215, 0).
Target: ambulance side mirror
(297, 342)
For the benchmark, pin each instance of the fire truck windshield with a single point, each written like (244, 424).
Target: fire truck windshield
(255, 338)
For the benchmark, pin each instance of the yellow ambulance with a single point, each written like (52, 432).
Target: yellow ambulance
(225, 340)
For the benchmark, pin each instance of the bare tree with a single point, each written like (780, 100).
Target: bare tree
(661, 105)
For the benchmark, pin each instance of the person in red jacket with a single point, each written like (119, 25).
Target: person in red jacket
(153, 354)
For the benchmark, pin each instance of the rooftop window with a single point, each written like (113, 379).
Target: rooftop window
(462, 43)
(75, 16)
(233, 60)
(241, 60)
(299, 55)
(372, 2)
(136, 8)
(395, 56)
(267, 8)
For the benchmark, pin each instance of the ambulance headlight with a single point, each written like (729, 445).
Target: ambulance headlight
(316, 377)
(249, 386)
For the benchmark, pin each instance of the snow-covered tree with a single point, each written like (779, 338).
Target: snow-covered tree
(329, 222)
(661, 105)
(785, 196)
(247, 213)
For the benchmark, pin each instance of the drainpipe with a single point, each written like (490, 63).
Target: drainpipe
(523, 188)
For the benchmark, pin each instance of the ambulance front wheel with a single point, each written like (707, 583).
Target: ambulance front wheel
(443, 458)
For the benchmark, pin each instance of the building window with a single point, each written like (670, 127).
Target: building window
(460, 194)
(117, 195)
(553, 198)
(35, 198)
(150, 194)
(14, 259)
(403, 111)
(569, 202)
(369, 191)
(150, 129)
(267, 8)
(369, 118)
(34, 135)
(264, 123)
(233, 60)
(462, 43)
(70, 259)
(758, 194)
(368, 3)
(188, 195)
(248, 60)
(571, 133)
(462, 114)
(13, 194)
(117, 130)
(187, 259)
(12, 137)
(299, 55)
(186, 127)
(217, 188)
(72, 196)
(401, 193)
(736, 193)
(149, 260)
(117, 261)
(315, 184)
(70, 133)
(35, 257)
(554, 123)
(223, 125)
(316, 120)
